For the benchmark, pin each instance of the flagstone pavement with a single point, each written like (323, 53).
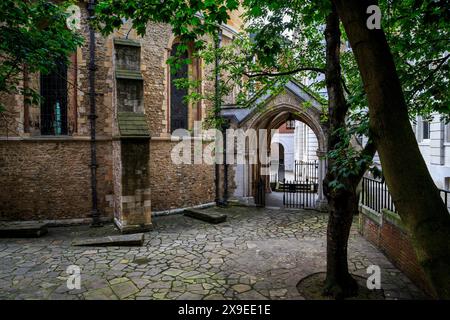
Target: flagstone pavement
(255, 254)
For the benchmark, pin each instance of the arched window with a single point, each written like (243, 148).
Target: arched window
(54, 105)
(178, 107)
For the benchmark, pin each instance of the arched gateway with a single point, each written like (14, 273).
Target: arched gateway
(293, 103)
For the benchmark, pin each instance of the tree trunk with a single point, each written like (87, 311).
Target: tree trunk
(342, 203)
(339, 283)
(410, 184)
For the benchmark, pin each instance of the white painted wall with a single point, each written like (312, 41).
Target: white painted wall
(301, 145)
(306, 143)
(287, 140)
(435, 150)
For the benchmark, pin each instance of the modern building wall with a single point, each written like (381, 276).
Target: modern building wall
(299, 144)
(287, 140)
(435, 148)
(306, 143)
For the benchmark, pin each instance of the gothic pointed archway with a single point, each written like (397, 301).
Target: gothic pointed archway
(294, 102)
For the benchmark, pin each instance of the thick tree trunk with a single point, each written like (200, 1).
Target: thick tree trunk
(413, 190)
(342, 202)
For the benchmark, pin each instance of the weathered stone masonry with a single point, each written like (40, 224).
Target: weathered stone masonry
(48, 177)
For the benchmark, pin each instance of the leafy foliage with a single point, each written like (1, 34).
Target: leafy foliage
(284, 40)
(33, 36)
(418, 32)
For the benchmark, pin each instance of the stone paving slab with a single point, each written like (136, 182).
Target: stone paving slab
(255, 254)
(22, 229)
(206, 215)
(136, 239)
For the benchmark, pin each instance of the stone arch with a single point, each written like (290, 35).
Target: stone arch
(276, 115)
(275, 112)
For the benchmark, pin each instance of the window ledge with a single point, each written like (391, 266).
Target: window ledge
(129, 74)
(53, 138)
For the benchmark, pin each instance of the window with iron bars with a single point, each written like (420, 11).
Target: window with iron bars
(54, 100)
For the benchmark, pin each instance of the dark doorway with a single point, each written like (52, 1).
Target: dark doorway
(281, 172)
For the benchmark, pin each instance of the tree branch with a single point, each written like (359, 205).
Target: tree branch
(430, 76)
(344, 86)
(285, 73)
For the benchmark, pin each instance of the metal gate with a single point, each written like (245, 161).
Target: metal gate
(306, 170)
(299, 194)
(260, 195)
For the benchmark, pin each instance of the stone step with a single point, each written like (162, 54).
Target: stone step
(235, 203)
(207, 216)
(22, 229)
(136, 239)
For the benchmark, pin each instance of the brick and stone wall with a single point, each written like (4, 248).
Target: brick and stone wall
(177, 185)
(386, 231)
(135, 190)
(50, 180)
(45, 177)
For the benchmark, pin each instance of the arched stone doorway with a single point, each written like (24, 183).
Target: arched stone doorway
(289, 104)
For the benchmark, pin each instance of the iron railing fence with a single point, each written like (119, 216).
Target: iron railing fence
(376, 196)
(445, 195)
(299, 194)
(306, 170)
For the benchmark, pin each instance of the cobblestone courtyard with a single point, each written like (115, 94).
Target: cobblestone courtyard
(256, 254)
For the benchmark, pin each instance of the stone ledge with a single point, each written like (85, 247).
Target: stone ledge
(393, 218)
(22, 229)
(136, 239)
(371, 214)
(55, 138)
(210, 217)
(181, 210)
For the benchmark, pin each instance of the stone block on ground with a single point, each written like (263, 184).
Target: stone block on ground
(207, 216)
(22, 229)
(136, 239)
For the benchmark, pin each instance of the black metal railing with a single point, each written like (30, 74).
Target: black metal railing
(445, 195)
(299, 194)
(306, 170)
(376, 196)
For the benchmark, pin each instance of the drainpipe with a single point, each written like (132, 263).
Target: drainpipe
(92, 117)
(225, 164)
(217, 42)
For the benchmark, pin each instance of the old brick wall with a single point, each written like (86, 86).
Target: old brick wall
(48, 178)
(395, 243)
(177, 185)
(51, 180)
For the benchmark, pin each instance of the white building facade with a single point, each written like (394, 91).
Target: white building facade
(433, 137)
